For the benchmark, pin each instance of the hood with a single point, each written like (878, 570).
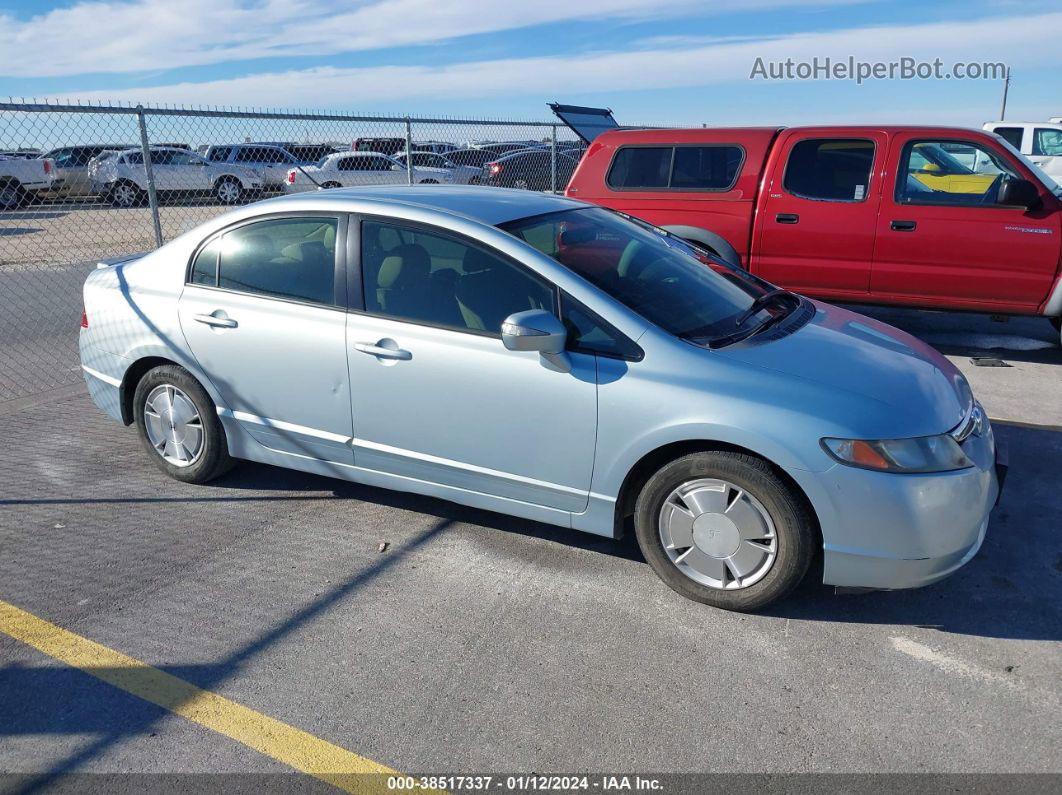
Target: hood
(847, 351)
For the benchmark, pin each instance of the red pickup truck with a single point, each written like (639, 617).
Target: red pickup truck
(931, 217)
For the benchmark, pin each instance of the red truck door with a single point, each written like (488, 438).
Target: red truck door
(818, 212)
(943, 240)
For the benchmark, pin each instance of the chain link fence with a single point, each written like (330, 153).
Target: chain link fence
(81, 183)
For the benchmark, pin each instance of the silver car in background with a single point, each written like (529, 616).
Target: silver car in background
(553, 360)
(358, 169)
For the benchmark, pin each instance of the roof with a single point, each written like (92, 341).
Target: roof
(489, 205)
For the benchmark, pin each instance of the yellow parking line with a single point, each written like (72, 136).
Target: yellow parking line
(269, 736)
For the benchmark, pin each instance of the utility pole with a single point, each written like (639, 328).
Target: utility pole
(1006, 87)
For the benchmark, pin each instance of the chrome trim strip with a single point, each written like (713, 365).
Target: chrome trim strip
(280, 425)
(102, 376)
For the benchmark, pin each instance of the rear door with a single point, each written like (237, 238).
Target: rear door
(943, 240)
(817, 222)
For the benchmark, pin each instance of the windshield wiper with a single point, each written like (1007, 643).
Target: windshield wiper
(765, 300)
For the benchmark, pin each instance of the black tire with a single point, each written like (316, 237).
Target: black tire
(12, 195)
(214, 460)
(429, 182)
(794, 527)
(228, 190)
(126, 194)
(330, 185)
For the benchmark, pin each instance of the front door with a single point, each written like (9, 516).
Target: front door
(261, 317)
(816, 227)
(943, 239)
(437, 397)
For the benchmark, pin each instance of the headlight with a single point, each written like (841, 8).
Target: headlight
(921, 454)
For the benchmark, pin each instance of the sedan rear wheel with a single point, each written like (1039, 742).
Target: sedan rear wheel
(126, 194)
(723, 529)
(179, 426)
(228, 190)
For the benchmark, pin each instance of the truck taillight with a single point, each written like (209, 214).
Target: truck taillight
(291, 177)
(84, 319)
(494, 168)
(47, 166)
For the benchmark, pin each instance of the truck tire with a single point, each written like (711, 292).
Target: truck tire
(12, 195)
(722, 528)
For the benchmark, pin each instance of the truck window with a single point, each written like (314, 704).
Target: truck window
(827, 169)
(1010, 134)
(678, 168)
(1047, 141)
(950, 172)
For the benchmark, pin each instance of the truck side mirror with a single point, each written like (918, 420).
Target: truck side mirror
(1019, 193)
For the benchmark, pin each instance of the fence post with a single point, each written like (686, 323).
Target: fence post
(409, 152)
(153, 199)
(553, 161)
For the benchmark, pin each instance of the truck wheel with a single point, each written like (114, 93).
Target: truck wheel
(12, 195)
(228, 190)
(126, 194)
(723, 529)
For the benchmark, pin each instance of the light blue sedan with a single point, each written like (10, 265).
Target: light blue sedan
(553, 360)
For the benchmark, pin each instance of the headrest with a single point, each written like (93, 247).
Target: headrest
(390, 269)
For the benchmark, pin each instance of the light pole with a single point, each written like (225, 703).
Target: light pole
(1006, 86)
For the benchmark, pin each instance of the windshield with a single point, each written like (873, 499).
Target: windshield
(662, 278)
(1041, 175)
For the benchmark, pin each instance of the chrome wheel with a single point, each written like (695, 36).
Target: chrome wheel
(125, 195)
(717, 534)
(228, 191)
(173, 425)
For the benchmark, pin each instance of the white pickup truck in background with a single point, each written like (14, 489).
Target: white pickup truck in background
(21, 180)
(1039, 141)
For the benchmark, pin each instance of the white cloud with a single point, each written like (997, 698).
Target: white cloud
(1018, 41)
(141, 35)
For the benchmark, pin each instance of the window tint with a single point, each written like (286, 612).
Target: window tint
(830, 170)
(588, 333)
(641, 167)
(219, 154)
(290, 258)
(1047, 142)
(364, 163)
(432, 278)
(950, 172)
(183, 159)
(1010, 134)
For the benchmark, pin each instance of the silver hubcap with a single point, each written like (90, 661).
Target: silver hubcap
(173, 425)
(717, 534)
(228, 192)
(125, 195)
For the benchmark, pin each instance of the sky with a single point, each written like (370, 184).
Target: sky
(652, 61)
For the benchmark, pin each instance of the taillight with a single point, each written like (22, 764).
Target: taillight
(494, 168)
(84, 319)
(291, 177)
(47, 166)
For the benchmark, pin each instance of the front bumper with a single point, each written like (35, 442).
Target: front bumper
(886, 531)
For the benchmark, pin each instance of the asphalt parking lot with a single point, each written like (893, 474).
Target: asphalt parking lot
(431, 638)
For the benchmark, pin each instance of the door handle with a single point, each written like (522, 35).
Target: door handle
(384, 353)
(903, 226)
(217, 322)
(787, 218)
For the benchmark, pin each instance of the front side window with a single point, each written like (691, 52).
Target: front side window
(1047, 141)
(830, 169)
(676, 167)
(950, 172)
(426, 277)
(662, 278)
(292, 258)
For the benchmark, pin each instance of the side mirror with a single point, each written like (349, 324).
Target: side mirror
(1019, 193)
(537, 330)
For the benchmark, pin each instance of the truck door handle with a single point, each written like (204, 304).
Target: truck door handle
(374, 349)
(787, 218)
(217, 322)
(903, 226)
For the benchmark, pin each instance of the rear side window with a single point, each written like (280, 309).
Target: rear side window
(290, 258)
(1012, 135)
(219, 154)
(830, 169)
(1047, 141)
(676, 167)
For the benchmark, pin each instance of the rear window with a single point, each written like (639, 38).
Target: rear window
(1011, 135)
(676, 167)
(830, 169)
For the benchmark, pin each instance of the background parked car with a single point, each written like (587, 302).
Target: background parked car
(530, 169)
(505, 147)
(271, 161)
(72, 167)
(471, 157)
(21, 154)
(460, 175)
(387, 146)
(21, 180)
(439, 147)
(352, 169)
(122, 178)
